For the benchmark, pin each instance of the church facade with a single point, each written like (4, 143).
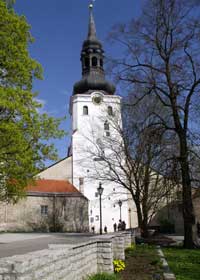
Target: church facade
(94, 109)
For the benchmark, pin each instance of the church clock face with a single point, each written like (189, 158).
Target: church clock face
(97, 98)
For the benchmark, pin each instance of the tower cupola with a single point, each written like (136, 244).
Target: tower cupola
(92, 60)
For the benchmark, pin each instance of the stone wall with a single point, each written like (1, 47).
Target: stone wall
(65, 213)
(65, 262)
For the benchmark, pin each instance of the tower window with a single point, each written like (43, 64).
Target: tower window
(85, 110)
(81, 185)
(87, 62)
(101, 62)
(94, 61)
(106, 126)
(110, 111)
(81, 181)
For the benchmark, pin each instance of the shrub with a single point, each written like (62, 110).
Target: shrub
(119, 265)
(103, 276)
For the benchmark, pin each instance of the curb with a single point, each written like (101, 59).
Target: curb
(168, 275)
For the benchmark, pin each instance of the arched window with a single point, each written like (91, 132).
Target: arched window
(87, 62)
(94, 61)
(85, 110)
(106, 126)
(110, 111)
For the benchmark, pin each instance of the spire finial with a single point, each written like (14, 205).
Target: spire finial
(92, 28)
(91, 5)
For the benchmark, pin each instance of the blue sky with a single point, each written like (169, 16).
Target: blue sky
(59, 28)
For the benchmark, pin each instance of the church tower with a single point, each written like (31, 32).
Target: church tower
(93, 106)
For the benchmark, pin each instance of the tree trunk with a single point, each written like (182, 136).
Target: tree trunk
(145, 226)
(139, 214)
(188, 211)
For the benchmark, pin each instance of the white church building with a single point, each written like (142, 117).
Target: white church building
(93, 106)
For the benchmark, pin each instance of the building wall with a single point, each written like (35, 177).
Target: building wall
(87, 130)
(173, 213)
(62, 170)
(64, 214)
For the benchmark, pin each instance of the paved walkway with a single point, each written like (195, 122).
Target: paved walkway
(21, 243)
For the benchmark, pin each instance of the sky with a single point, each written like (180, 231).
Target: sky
(59, 28)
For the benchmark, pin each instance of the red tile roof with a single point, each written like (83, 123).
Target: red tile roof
(52, 186)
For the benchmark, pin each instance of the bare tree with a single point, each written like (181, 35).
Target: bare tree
(128, 156)
(162, 57)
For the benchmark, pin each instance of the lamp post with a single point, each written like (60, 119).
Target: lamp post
(100, 192)
(129, 211)
(120, 206)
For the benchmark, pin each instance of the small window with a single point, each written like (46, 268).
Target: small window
(97, 218)
(44, 210)
(101, 62)
(81, 181)
(94, 61)
(110, 111)
(85, 110)
(87, 62)
(106, 125)
(96, 194)
(81, 185)
(107, 133)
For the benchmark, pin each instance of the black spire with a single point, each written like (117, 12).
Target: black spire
(92, 56)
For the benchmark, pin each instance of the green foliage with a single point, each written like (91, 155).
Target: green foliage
(103, 276)
(24, 132)
(119, 265)
(130, 249)
(9, 3)
(185, 264)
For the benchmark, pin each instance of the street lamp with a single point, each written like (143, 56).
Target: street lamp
(129, 210)
(120, 206)
(100, 192)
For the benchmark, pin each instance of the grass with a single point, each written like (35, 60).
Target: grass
(185, 264)
(103, 276)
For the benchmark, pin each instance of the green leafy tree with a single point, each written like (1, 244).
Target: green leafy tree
(24, 132)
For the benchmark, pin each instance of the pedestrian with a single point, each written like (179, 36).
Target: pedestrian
(105, 229)
(123, 225)
(92, 229)
(115, 227)
(119, 225)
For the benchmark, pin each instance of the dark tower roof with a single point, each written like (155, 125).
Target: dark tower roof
(92, 57)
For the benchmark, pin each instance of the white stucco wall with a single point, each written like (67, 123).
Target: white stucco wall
(86, 130)
(61, 170)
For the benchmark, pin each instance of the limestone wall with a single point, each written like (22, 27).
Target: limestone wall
(65, 213)
(65, 262)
